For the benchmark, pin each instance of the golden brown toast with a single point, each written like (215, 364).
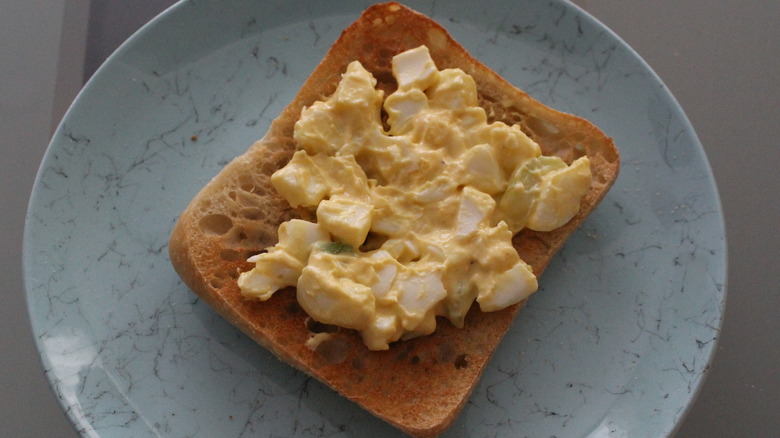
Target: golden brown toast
(418, 385)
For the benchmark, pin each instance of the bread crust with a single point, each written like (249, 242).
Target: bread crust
(418, 385)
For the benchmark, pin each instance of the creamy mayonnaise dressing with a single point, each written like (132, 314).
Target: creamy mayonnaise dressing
(416, 221)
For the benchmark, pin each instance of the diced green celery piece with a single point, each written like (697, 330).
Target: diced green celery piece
(336, 248)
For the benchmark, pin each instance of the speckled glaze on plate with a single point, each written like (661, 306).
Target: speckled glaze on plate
(615, 343)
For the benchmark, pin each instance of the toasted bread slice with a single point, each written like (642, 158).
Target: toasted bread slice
(418, 385)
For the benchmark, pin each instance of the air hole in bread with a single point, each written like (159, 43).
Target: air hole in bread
(461, 361)
(334, 350)
(247, 184)
(254, 234)
(315, 326)
(216, 224)
(217, 282)
(247, 199)
(253, 214)
(236, 236)
(271, 167)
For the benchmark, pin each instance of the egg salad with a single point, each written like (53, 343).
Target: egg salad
(416, 213)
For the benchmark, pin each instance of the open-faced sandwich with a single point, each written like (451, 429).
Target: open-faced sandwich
(384, 233)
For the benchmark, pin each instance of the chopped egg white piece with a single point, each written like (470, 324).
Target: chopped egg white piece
(415, 69)
(415, 221)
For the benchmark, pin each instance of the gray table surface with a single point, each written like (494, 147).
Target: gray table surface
(720, 59)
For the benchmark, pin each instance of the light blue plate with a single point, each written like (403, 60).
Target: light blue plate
(616, 342)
